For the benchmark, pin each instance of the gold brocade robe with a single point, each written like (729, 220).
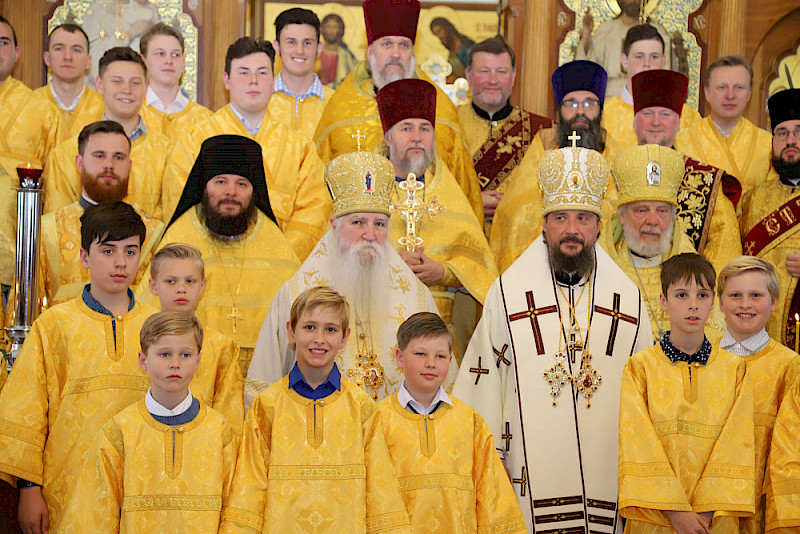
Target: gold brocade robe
(766, 370)
(353, 107)
(757, 205)
(314, 466)
(685, 441)
(301, 114)
(745, 155)
(218, 381)
(173, 125)
(29, 129)
(450, 475)
(242, 277)
(62, 272)
(148, 160)
(618, 121)
(145, 476)
(783, 478)
(455, 239)
(72, 375)
(89, 108)
(648, 278)
(297, 192)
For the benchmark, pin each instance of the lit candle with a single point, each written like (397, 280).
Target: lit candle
(796, 333)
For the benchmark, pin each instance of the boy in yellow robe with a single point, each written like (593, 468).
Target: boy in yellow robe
(164, 463)
(77, 368)
(313, 456)
(748, 289)
(686, 419)
(450, 475)
(178, 279)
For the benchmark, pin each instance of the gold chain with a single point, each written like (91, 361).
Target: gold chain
(234, 315)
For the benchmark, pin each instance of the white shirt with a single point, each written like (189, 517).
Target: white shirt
(177, 105)
(61, 104)
(407, 400)
(748, 347)
(156, 408)
(626, 96)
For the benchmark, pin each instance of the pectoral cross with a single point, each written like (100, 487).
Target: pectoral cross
(574, 138)
(234, 315)
(358, 137)
(412, 210)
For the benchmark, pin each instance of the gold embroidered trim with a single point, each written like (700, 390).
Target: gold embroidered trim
(141, 503)
(647, 470)
(679, 426)
(255, 386)
(173, 452)
(22, 433)
(114, 435)
(787, 487)
(384, 522)
(515, 524)
(427, 435)
(442, 480)
(764, 419)
(97, 383)
(728, 471)
(315, 423)
(243, 518)
(318, 472)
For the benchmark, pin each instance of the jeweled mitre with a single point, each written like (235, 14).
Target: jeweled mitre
(573, 179)
(360, 182)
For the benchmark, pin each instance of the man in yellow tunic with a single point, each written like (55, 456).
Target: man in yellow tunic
(67, 56)
(28, 131)
(450, 251)
(299, 96)
(726, 139)
(225, 212)
(642, 50)
(167, 109)
(770, 214)
(121, 83)
(352, 113)
(579, 88)
(104, 163)
(498, 134)
(294, 172)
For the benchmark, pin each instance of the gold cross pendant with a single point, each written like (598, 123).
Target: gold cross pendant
(234, 315)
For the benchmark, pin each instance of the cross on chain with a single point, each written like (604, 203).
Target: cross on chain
(615, 315)
(532, 313)
(358, 137)
(574, 138)
(522, 481)
(507, 435)
(412, 210)
(234, 315)
(480, 370)
(501, 355)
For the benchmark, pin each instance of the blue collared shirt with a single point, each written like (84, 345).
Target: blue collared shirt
(94, 305)
(139, 131)
(252, 129)
(315, 89)
(676, 355)
(301, 387)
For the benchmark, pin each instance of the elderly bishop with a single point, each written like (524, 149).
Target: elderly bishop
(545, 364)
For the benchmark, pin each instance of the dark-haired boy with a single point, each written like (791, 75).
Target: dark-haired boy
(78, 367)
(299, 96)
(122, 83)
(298, 195)
(686, 458)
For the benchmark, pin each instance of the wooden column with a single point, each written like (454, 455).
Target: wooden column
(221, 27)
(733, 28)
(535, 57)
(28, 18)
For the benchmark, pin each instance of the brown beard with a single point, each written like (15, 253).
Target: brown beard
(99, 192)
(227, 225)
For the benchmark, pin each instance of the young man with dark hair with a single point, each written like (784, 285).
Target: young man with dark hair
(299, 96)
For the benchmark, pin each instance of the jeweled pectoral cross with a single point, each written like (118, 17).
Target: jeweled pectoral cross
(358, 137)
(412, 210)
(234, 315)
(574, 138)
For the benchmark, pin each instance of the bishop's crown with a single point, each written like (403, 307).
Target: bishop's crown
(360, 182)
(648, 172)
(573, 178)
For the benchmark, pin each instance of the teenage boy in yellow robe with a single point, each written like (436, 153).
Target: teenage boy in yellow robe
(313, 455)
(433, 436)
(78, 367)
(686, 419)
(748, 289)
(178, 279)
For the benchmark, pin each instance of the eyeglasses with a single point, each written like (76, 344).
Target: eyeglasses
(781, 134)
(585, 104)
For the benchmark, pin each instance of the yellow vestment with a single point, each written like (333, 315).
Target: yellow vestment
(89, 108)
(745, 155)
(218, 382)
(72, 375)
(174, 125)
(783, 478)
(618, 121)
(148, 160)
(145, 476)
(353, 111)
(310, 466)
(450, 475)
(685, 441)
(766, 371)
(297, 192)
(301, 114)
(29, 129)
(242, 276)
(455, 239)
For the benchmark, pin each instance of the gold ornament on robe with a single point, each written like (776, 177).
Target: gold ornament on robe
(413, 208)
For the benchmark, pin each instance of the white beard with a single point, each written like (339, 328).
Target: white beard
(379, 79)
(363, 281)
(640, 248)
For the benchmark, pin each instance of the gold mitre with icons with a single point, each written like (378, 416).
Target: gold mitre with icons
(573, 178)
(648, 172)
(360, 182)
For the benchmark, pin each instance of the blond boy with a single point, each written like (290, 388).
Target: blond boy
(748, 289)
(177, 278)
(451, 478)
(313, 455)
(164, 463)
